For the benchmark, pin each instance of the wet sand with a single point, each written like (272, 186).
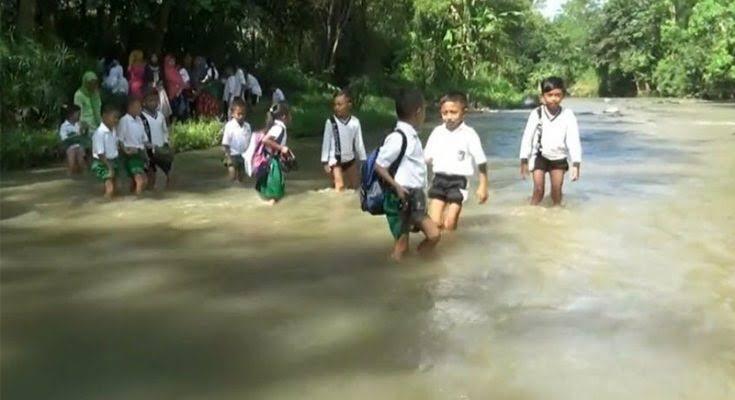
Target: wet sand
(627, 292)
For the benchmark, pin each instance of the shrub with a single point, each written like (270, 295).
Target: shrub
(29, 147)
(196, 135)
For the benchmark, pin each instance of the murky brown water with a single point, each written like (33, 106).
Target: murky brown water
(626, 293)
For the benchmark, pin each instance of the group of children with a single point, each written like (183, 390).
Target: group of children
(453, 152)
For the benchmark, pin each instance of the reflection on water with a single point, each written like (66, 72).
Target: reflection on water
(626, 293)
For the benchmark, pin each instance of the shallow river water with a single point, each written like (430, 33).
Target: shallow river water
(627, 292)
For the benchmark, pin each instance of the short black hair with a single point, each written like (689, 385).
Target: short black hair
(238, 103)
(408, 102)
(343, 92)
(151, 92)
(110, 108)
(552, 83)
(454, 97)
(132, 100)
(69, 109)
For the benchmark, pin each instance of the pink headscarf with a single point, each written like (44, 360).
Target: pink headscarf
(174, 82)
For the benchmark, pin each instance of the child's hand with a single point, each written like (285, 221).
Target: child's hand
(401, 192)
(575, 173)
(524, 170)
(327, 168)
(482, 194)
(285, 150)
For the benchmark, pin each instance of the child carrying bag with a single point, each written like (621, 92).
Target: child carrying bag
(372, 190)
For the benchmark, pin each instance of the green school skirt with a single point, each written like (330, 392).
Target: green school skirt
(271, 184)
(102, 172)
(404, 217)
(81, 140)
(135, 163)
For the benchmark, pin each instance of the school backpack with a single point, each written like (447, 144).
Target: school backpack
(371, 186)
(259, 156)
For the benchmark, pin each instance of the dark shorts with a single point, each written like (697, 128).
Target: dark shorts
(235, 161)
(155, 161)
(403, 217)
(544, 164)
(345, 165)
(449, 188)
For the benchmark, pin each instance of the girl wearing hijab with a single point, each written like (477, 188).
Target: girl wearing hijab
(174, 86)
(136, 74)
(87, 97)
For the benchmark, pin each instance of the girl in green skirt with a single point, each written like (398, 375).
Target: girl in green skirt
(133, 141)
(270, 178)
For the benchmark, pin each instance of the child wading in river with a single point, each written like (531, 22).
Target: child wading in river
(105, 163)
(160, 153)
(134, 141)
(551, 138)
(72, 138)
(342, 145)
(270, 178)
(453, 150)
(235, 141)
(405, 201)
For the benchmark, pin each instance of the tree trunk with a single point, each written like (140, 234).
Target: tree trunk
(27, 17)
(338, 31)
(162, 26)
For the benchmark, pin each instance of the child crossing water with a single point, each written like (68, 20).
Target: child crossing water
(133, 140)
(342, 144)
(160, 153)
(550, 139)
(71, 139)
(453, 149)
(270, 179)
(401, 165)
(105, 164)
(235, 141)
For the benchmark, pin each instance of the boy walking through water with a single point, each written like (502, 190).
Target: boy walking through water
(405, 201)
(550, 138)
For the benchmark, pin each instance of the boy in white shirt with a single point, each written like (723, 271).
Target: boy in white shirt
(72, 139)
(131, 133)
(160, 153)
(105, 163)
(235, 141)
(342, 145)
(453, 150)
(233, 88)
(551, 138)
(405, 201)
(255, 90)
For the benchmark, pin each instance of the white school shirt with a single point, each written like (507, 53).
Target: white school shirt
(131, 132)
(275, 132)
(104, 142)
(254, 85)
(350, 140)
(559, 137)
(454, 152)
(240, 74)
(237, 137)
(411, 171)
(185, 75)
(159, 129)
(68, 129)
(278, 96)
(233, 89)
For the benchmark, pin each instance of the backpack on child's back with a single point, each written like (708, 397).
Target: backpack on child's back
(372, 190)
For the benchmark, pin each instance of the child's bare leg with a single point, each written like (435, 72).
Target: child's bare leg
(152, 179)
(451, 216)
(432, 233)
(352, 177)
(436, 210)
(81, 162)
(140, 182)
(557, 181)
(169, 179)
(539, 183)
(231, 173)
(338, 178)
(400, 247)
(71, 160)
(109, 188)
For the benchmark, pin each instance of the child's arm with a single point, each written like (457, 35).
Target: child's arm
(385, 175)
(360, 144)
(388, 154)
(482, 187)
(165, 132)
(574, 146)
(326, 145)
(527, 143)
(271, 143)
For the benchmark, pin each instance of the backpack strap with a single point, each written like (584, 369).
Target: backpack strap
(393, 168)
(337, 144)
(146, 126)
(539, 129)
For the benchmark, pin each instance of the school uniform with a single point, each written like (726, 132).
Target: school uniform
(70, 135)
(160, 154)
(255, 90)
(410, 173)
(131, 134)
(453, 156)
(233, 89)
(551, 140)
(351, 146)
(104, 143)
(237, 137)
(270, 182)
